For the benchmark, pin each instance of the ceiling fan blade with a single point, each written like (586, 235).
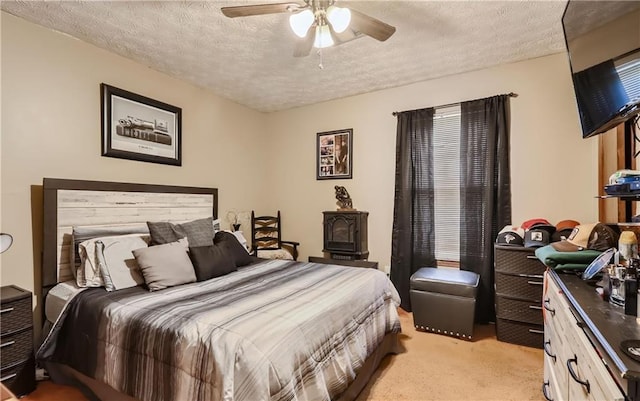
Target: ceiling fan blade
(344, 36)
(260, 9)
(304, 45)
(370, 26)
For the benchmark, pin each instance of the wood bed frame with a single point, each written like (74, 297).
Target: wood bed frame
(73, 203)
(69, 203)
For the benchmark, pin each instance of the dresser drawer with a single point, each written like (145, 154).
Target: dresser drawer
(531, 335)
(552, 388)
(20, 378)
(584, 364)
(16, 347)
(15, 315)
(517, 260)
(519, 310)
(17, 365)
(521, 286)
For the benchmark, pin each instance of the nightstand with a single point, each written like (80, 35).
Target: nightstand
(17, 364)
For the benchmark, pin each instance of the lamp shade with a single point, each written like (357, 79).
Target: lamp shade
(323, 37)
(339, 18)
(301, 22)
(5, 241)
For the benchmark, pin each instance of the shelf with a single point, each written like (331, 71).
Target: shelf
(622, 197)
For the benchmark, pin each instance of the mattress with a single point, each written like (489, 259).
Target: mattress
(58, 297)
(275, 330)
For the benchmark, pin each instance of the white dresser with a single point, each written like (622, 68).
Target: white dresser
(582, 334)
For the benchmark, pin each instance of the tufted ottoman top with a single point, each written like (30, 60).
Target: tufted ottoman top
(446, 281)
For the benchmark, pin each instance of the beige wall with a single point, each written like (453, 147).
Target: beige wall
(617, 37)
(51, 128)
(554, 170)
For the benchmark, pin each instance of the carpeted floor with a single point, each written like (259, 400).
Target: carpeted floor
(434, 367)
(437, 367)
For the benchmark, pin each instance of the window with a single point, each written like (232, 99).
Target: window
(446, 162)
(629, 72)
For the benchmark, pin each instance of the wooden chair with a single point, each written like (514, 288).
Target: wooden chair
(266, 239)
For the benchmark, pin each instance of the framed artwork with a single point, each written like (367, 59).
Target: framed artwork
(135, 127)
(334, 154)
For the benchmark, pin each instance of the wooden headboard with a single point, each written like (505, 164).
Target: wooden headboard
(74, 203)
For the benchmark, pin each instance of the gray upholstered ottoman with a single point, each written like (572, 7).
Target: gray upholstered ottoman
(444, 300)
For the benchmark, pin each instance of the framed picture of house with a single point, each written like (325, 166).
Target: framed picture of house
(334, 154)
(135, 127)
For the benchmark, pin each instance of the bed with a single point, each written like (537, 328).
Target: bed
(270, 330)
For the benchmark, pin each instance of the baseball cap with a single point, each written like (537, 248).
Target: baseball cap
(563, 230)
(537, 237)
(510, 235)
(511, 238)
(596, 236)
(566, 224)
(534, 222)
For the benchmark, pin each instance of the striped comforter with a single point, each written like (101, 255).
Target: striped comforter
(276, 330)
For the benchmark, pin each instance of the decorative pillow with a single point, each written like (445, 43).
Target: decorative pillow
(241, 239)
(275, 254)
(198, 232)
(238, 252)
(81, 234)
(211, 261)
(165, 265)
(108, 262)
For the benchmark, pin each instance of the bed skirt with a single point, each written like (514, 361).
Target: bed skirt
(98, 391)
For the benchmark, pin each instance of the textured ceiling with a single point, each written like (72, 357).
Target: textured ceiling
(249, 60)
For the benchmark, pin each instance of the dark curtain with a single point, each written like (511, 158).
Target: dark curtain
(485, 191)
(413, 237)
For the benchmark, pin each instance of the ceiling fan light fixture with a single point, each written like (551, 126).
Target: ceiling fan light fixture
(323, 37)
(339, 18)
(301, 22)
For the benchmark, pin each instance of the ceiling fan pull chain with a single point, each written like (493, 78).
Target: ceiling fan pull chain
(320, 65)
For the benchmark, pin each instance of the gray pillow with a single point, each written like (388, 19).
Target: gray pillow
(165, 265)
(198, 232)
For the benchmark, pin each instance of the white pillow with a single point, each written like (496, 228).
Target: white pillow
(109, 261)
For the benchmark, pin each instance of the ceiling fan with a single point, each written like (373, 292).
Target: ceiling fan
(318, 23)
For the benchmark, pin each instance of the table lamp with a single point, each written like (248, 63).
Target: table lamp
(5, 242)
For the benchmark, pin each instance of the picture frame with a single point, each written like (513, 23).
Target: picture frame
(139, 128)
(334, 155)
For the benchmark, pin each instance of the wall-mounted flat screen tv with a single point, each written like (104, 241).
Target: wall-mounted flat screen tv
(603, 42)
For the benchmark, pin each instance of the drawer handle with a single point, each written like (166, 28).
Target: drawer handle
(548, 350)
(8, 343)
(534, 282)
(532, 257)
(536, 331)
(7, 310)
(573, 374)
(536, 307)
(545, 305)
(8, 377)
(545, 385)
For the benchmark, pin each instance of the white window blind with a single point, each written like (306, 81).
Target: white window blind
(629, 73)
(446, 163)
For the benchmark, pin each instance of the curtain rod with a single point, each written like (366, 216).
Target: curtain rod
(510, 94)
